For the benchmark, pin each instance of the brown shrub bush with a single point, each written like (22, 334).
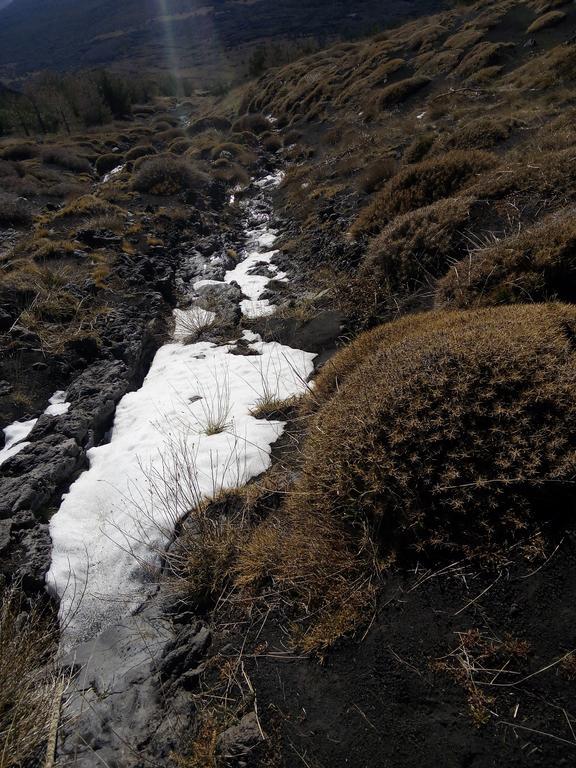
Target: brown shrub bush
(377, 173)
(419, 148)
(107, 163)
(456, 432)
(535, 265)
(231, 174)
(179, 146)
(14, 212)
(255, 123)
(418, 247)
(550, 19)
(421, 184)
(399, 92)
(168, 175)
(65, 158)
(209, 123)
(20, 152)
(482, 133)
(28, 679)
(143, 150)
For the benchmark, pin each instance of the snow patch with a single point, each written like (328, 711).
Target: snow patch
(15, 438)
(58, 405)
(113, 518)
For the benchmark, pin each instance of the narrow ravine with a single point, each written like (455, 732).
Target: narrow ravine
(188, 432)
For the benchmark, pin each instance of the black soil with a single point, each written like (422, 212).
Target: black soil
(386, 701)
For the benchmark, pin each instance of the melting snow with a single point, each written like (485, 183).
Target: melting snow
(163, 454)
(15, 435)
(58, 405)
(113, 516)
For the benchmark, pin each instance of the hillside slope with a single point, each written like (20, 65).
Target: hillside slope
(206, 36)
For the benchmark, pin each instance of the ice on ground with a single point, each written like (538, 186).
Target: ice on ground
(120, 511)
(15, 438)
(58, 405)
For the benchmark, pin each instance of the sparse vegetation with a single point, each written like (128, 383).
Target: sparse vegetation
(169, 175)
(28, 683)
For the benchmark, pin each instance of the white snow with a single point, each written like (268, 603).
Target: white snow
(15, 438)
(113, 518)
(15, 434)
(58, 405)
(163, 454)
(261, 239)
(112, 173)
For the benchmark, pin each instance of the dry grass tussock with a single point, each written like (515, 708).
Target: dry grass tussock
(537, 264)
(168, 175)
(28, 681)
(457, 431)
(417, 247)
(421, 184)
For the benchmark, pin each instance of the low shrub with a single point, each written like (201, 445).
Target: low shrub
(550, 19)
(107, 163)
(534, 265)
(65, 158)
(14, 212)
(8, 168)
(375, 174)
(28, 683)
(399, 92)
(87, 205)
(456, 433)
(19, 152)
(209, 123)
(421, 184)
(419, 148)
(179, 146)
(272, 143)
(255, 123)
(418, 247)
(140, 151)
(168, 175)
(482, 133)
(231, 174)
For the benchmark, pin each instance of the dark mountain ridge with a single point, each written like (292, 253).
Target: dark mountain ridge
(210, 37)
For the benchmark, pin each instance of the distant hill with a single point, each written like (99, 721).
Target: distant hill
(209, 37)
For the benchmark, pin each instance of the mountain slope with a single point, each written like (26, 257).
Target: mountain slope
(37, 34)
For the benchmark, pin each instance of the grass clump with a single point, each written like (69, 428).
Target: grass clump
(107, 163)
(457, 432)
(21, 151)
(65, 158)
(28, 683)
(14, 212)
(421, 184)
(534, 265)
(547, 20)
(168, 175)
(254, 123)
(418, 247)
(399, 92)
(87, 205)
(140, 151)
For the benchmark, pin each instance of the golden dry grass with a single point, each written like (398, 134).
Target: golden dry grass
(28, 682)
